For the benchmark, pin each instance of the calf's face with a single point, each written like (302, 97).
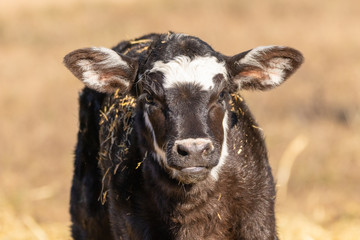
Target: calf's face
(183, 94)
(185, 111)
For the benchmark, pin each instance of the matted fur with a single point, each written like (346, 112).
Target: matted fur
(121, 190)
(190, 220)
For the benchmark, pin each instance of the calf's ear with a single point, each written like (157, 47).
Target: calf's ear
(263, 68)
(102, 69)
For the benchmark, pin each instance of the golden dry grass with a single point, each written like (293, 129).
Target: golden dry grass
(318, 197)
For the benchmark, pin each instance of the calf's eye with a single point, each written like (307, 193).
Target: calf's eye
(222, 96)
(153, 103)
(150, 100)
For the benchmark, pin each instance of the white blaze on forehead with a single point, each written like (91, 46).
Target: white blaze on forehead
(182, 69)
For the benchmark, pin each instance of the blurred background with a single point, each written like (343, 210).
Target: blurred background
(311, 123)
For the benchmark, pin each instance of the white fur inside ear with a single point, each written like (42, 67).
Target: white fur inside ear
(274, 68)
(276, 71)
(112, 59)
(91, 71)
(253, 56)
(89, 76)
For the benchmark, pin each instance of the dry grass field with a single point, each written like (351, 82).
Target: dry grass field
(311, 123)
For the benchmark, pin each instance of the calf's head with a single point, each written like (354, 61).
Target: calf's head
(183, 88)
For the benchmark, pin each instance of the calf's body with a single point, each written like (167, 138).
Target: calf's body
(167, 148)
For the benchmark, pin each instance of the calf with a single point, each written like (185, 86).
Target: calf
(167, 148)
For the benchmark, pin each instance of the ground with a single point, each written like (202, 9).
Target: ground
(311, 123)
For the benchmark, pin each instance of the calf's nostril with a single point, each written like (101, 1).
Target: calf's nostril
(181, 150)
(208, 149)
(193, 147)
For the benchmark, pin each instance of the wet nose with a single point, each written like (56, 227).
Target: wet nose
(193, 146)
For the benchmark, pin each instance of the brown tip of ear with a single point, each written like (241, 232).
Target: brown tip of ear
(297, 60)
(296, 56)
(70, 63)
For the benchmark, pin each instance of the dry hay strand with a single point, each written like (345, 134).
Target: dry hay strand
(235, 103)
(132, 42)
(139, 163)
(139, 46)
(237, 97)
(295, 147)
(34, 227)
(116, 126)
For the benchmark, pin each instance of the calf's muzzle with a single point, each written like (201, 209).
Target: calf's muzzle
(193, 147)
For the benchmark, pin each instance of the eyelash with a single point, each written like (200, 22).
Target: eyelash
(149, 99)
(222, 96)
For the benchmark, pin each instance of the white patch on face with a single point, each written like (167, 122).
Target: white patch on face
(111, 59)
(275, 68)
(182, 69)
(160, 155)
(224, 150)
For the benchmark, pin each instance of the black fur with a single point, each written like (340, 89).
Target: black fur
(121, 187)
(89, 217)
